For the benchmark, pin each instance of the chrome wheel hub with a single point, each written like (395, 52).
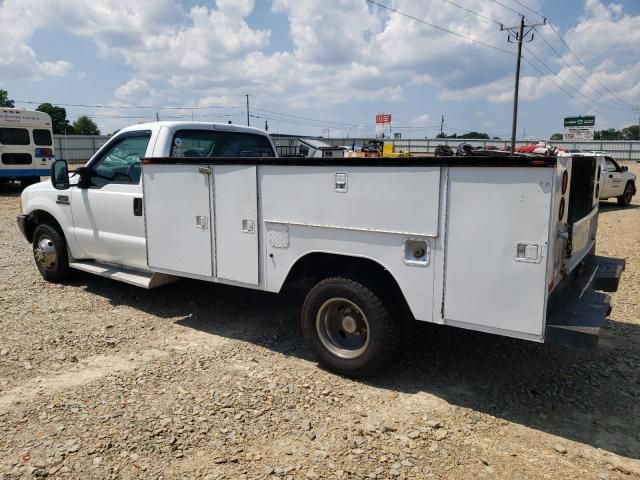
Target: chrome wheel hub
(45, 253)
(343, 328)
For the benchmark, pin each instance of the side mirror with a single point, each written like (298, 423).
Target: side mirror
(624, 169)
(84, 178)
(60, 175)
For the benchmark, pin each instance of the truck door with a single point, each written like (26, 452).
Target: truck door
(612, 178)
(496, 249)
(178, 214)
(107, 217)
(236, 217)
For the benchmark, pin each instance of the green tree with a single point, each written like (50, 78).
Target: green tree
(631, 132)
(556, 136)
(608, 134)
(474, 135)
(85, 126)
(4, 99)
(59, 122)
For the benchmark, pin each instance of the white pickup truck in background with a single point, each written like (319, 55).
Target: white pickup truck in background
(498, 243)
(617, 182)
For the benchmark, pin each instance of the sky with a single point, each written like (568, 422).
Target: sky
(325, 67)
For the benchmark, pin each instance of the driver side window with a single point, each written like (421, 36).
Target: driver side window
(121, 162)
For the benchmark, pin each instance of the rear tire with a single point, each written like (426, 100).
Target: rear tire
(348, 328)
(50, 253)
(624, 200)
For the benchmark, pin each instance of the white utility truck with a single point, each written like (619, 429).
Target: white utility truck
(616, 182)
(496, 243)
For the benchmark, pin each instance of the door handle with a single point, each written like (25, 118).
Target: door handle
(610, 176)
(137, 207)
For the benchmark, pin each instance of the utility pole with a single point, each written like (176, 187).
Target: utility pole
(637, 110)
(518, 34)
(441, 125)
(157, 117)
(247, 95)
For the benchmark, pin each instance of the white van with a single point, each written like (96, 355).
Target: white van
(26, 145)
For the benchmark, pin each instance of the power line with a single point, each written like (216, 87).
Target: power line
(508, 8)
(479, 42)
(578, 74)
(587, 68)
(306, 118)
(518, 34)
(528, 8)
(589, 99)
(590, 107)
(472, 12)
(31, 102)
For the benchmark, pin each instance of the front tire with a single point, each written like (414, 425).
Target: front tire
(50, 253)
(624, 200)
(348, 328)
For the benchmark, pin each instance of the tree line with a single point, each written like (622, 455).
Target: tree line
(83, 125)
(632, 132)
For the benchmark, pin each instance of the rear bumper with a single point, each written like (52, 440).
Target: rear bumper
(578, 308)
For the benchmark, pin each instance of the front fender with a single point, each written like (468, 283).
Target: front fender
(51, 202)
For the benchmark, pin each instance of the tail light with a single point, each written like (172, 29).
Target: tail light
(44, 152)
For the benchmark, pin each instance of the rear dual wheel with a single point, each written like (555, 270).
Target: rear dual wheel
(349, 328)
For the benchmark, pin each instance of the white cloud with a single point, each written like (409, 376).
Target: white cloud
(420, 120)
(55, 69)
(341, 51)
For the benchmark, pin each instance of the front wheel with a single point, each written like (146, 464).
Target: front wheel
(625, 199)
(348, 328)
(50, 253)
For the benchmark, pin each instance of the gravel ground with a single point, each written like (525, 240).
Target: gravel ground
(100, 379)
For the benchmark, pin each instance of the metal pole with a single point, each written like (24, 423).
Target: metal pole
(514, 122)
(248, 124)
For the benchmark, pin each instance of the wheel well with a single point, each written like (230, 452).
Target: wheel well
(314, 267)
(38, 217)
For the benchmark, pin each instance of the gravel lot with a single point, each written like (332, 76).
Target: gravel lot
(100, 379)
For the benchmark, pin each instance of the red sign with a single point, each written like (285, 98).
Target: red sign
(383, 118)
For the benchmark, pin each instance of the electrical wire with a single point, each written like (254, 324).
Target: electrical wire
(508, 8)
(472, 12)
(589, 99)
(529, 8)
(587, 68)
(31, 102)
(479, 42)
(583, 78)
(590, 107)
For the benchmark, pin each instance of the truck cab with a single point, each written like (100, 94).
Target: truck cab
(617, 182)
(101, 214)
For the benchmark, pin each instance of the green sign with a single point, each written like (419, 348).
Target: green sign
(580, 121)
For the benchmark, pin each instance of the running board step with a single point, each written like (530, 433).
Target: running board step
(578, 322)
(608, 273)
(132, 277)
